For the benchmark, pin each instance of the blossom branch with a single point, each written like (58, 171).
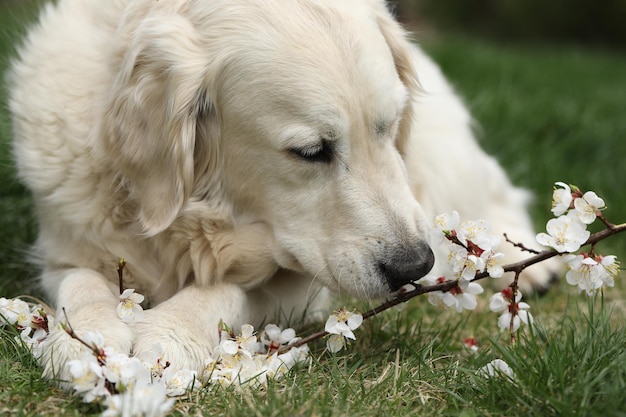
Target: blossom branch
(611, 230)
(448, 285)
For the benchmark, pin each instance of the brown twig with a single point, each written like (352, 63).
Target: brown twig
(96, 350)
(120, 274)
(520, 245)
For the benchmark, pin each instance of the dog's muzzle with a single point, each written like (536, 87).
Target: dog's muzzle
(407, 265)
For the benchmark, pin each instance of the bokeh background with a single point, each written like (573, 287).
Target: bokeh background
(586, 22)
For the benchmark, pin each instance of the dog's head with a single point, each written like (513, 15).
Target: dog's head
(291, 115)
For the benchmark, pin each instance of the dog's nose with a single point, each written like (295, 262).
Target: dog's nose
(407, 265)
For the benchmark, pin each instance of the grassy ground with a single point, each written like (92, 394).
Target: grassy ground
(549, 113)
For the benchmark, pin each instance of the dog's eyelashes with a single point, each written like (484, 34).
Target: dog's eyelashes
(322, 152)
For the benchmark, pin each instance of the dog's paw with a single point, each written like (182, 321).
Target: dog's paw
(183, 345)
(60, 347)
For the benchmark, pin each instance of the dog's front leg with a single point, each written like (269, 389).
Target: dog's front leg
(87, 302)
(186, 325)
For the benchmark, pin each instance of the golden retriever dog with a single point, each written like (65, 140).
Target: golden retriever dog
(242, 156)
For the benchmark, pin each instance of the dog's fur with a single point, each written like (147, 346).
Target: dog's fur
(239, 155)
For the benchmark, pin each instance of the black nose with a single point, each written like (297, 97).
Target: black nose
(406, 265)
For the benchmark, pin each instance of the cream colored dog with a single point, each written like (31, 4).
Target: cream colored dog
(240, 155)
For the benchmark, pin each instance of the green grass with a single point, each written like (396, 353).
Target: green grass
(548, 113)
(17, 224)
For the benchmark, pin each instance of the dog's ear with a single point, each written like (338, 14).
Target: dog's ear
(401, 50)
(149, 129)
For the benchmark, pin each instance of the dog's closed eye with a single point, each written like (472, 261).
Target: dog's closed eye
(322, 152)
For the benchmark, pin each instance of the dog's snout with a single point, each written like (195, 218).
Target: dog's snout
(407, 266)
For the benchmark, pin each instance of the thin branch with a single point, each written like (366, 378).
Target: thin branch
(120, 274)
(97, 351)
(520, 245)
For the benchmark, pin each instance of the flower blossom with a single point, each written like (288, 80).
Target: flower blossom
(463, 296)
(343, 322)
(129, 309)
(471, 344)
(561, 199)
(243, 360)
(566, 234)
(511, 308)
(153, 361)
(179, 381)
(590, 273)
(145, 399)
(340, 326)
(587, 207)
(87, 377)
(496, 367)
(122, 370)
(494, 263)
(273, 337)
(279, 365)
(470, 246)
(447, 222)
(244, 344)
(478, 233)
(15, 312)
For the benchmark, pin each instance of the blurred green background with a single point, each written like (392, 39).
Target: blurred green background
(599, 22)
(545, 81)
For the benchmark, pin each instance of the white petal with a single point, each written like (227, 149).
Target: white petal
(354, 321)
(335, 343)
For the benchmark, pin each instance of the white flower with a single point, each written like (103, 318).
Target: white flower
(129, 309)
(274, 337)
(248, 340)
(463, 296)
(494, 262)
(495, 368)
(335, 342)
(587, 207)
(87, 377)
(444, 228)
(343, 322)
(15, 312)
(122, 370)
(610, 265)
(145, 399)
(34, 342)
(498, 302)
(561, 199)
(471, 266)
(279, 365)
(447, 222)
(471, 344)
(590, 274)
(511, 310)
(244, 344)
(479, 233)
(153, 361)
(566, 234)
(457, 258)
(436, 298)
(177, 382)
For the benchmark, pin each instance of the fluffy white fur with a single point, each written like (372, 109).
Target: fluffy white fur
(240, 155)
